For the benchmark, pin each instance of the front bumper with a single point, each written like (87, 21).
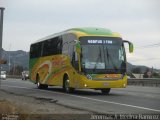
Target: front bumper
(98, 84)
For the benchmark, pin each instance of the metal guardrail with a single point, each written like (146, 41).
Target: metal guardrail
(14, 76)
(154, 82)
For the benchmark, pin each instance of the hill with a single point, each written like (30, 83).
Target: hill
(130, 67)
(15, 58)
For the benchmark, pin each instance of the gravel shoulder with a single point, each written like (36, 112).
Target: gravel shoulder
(38, 108)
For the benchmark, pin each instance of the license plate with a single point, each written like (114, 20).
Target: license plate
(106, 84)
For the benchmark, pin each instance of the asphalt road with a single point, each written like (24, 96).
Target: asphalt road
(130, 100)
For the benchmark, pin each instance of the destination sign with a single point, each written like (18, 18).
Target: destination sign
(93, 40)
(100, 41)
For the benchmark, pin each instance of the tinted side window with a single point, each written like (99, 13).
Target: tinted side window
(45, 48)
(57, 45)
(35, 50)
(52, 46)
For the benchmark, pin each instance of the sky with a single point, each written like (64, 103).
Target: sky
(26, 21)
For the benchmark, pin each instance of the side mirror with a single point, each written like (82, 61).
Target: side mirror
(131, 47)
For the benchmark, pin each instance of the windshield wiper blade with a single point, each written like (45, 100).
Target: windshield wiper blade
(107, 54)
(109, 57)
(99, 56)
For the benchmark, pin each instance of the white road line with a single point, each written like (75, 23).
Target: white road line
(116, 103)
(16, 86)
(15, 81)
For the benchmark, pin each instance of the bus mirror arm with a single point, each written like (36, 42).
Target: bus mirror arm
(131, 47)
(76, 41)
(73, 41)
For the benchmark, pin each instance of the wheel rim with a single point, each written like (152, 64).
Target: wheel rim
(38, 84)
(67, 85)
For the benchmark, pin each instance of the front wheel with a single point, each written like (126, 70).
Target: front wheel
(105, 91)
(39, 85)
(67, 87)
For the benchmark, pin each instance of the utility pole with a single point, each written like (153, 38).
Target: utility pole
(1, 35)
(1, 29)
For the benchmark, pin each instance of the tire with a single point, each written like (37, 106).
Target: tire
(66, 86)
(105, 91)
(39, 85)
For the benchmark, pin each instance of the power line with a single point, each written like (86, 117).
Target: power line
(149, 46)
(136, 60)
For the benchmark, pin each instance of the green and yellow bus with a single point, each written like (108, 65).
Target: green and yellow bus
(80, 58)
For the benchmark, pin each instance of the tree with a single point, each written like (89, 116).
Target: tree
(16, 70)
(156, 75)
(147, 74)
(3, 61)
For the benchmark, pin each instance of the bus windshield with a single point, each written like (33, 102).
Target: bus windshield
(102, 55)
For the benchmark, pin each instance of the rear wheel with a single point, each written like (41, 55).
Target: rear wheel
(39, 85)
(105, 91)
(66, 85)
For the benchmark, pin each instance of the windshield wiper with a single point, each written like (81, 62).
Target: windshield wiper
(109, 57)
(99, 56)
(107, 54)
